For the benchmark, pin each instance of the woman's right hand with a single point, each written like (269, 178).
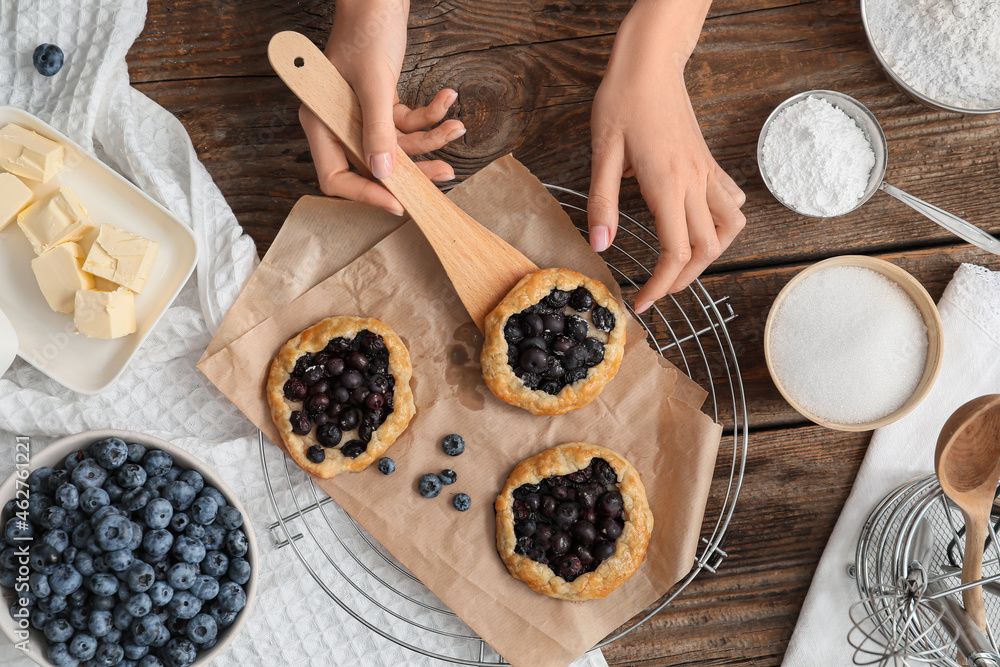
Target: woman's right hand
(367, 45)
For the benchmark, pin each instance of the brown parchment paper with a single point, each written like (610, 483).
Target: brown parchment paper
(648, 413)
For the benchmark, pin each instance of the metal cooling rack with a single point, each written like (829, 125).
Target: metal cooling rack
(688, 328)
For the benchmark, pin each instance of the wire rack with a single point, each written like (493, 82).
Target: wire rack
(885, 556)
(688, 328)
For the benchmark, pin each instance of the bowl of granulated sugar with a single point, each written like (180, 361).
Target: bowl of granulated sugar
(853, 343)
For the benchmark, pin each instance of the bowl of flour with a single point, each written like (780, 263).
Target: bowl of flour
(942, 53)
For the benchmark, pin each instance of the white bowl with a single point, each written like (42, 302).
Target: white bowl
(53, 454)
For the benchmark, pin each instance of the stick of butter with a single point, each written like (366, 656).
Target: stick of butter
(105, 314)
(14, 196)
(121, 257)
(60, 275)
(57, 219)
(28, 154)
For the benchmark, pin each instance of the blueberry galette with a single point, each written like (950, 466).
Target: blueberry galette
(553, 342)
(339, 394)
(573, 521)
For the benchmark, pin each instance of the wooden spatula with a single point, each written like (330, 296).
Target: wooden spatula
(482, 266)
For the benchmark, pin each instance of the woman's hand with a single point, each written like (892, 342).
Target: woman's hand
(643, 125)
(367, 45)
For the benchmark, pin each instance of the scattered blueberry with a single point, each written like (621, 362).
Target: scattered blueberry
(448, 476)
(462, 502)
(386, 466)
(453, 444)
(430, 485)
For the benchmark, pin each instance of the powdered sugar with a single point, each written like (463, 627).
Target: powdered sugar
(817, 158)
(848, 344)
(949, 50)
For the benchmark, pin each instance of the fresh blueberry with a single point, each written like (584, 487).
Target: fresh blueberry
(215, 563)
(67, 496)
(157, 462)
(134, 500)
(136, 452)
(231, 596)
(158, 513)
(190, 550)
(195, 531)
(58, 630)
(150, 661)
(102, 512)
(57, 539)
(239, 570)
(84, 564)
(58, 653)
(83, 646)
(134, 652)
(205, 587)
(146, 629)
(194, 479)
(102, 584)
(430, 485)
(462, 502)
(139, 605)
(204, 510)
(214, 494)
(121, 618)
(453, 444)
(94, 499)
(185, 606)
(113, 532)
(99, 623)
(110, 453)
(160, 593)
(140, 577)
(230, 518)
(386, 466)
(155, 485)
(215, 537)
(109, 655)
(39, 618)
(37, 504)
(181, 576)
(180, 652)
(223, 617)
(17, 530)
(78, 617)
(448, 476)
(120, 560)
(43, 558)
(53, 604)
(131, 476)
(202, 628)
(89, 474)
(180, 494)
(179, 521)
(69, 553)
(65, 579)
(38, 478)
(162, 637)
(72, 460)
(53, 517)
(236, 544)
(7, 578)
(39, 584)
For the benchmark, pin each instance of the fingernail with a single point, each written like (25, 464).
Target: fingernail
(381, 165)
(444, 177)
(450, 99)
(456, 134)
(398, 212)
(641, 308)
(600, 238)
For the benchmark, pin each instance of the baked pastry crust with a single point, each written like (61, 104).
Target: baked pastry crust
(315, 339)
(631, 545)
(500, 376)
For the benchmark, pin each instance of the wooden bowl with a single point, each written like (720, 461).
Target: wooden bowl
(928, 310)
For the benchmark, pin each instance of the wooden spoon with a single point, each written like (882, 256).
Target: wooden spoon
(967, 463)
(482, 266)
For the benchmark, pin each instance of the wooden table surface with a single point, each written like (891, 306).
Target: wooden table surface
(526, 71)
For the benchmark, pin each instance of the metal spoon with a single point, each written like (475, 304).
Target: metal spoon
(967, 463)
(876, 180)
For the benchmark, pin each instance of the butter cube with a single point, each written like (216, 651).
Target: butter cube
(29, 155)
(60, 274)
(14, 196)
(121, 257)
(57, 219)
(105, 314)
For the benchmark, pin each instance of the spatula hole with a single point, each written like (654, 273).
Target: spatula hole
(299, 62)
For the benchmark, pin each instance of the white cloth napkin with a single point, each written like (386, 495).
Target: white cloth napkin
(162, 393)
(970, 312)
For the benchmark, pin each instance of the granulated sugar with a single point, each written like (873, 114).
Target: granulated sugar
(949, 50)
(817, 158)
(849, 345)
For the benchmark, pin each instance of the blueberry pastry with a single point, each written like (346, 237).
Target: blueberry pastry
(573, 522)
(553, 342)
(339, 394)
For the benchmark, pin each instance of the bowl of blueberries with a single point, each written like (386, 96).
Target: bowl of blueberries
(119, 548)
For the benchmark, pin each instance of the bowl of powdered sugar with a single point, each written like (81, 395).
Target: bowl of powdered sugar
(853, 343)
(822, 153)
(943, 53)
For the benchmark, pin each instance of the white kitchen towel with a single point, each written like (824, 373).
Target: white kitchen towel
(970, 312)
(162, 393)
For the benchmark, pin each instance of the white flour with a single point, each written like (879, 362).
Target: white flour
(949, 50)
(817, 158)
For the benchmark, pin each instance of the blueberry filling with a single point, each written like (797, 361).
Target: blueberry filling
(345, 387)
(549, 346)
(570, 522)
